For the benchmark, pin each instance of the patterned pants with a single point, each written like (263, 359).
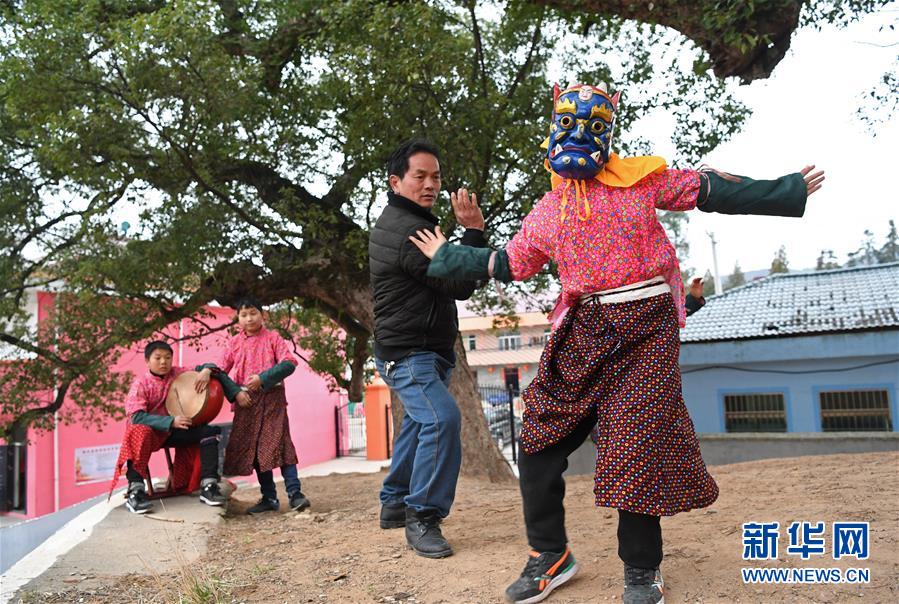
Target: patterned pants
(140, 442)
(616, 365)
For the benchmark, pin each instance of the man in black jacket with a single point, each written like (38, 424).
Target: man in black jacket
(415, 328)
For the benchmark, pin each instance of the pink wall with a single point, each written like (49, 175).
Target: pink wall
(311, 412)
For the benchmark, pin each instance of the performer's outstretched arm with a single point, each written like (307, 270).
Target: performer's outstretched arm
(710, 190)
(784, 196)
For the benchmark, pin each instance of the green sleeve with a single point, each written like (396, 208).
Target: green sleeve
(229, 387)
(464, 263)
(785, 196)
(163, 423)
(501, 271)
(276, 374)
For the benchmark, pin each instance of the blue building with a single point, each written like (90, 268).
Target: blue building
(804, 352)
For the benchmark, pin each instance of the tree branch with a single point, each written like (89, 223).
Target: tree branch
(747, 46)
(18, 427)
(479, 50)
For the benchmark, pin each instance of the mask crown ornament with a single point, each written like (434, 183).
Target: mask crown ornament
(602, 112)
(566, 106)
(576, 109)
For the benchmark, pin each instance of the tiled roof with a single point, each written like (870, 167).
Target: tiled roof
(790, 304)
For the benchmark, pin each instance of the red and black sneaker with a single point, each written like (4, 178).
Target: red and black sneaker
(543, 573)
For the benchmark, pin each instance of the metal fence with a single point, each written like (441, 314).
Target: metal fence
(349, 423)
(502, 410)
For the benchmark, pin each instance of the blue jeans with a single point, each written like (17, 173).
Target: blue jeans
(428, 450)
(267, 482)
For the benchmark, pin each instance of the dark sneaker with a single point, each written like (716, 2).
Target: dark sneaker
(423, 534)
(643, 586)
(393, 515)
(212, 495)
(542, 574)
(298, 502)
(265, 505)
(138, 502)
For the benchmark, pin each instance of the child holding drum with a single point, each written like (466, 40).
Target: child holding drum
(150, 428)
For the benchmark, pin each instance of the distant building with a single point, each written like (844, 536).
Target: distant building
(504, 357)
(797, 352)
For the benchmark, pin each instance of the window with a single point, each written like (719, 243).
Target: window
(754, 413)
(540, 340)
(472, 342)
(511, 341)
(855, 410)
(510, 375)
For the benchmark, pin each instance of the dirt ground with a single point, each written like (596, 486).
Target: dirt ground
(337, 553)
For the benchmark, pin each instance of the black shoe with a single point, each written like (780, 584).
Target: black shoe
(393, 515)
(265, 505)
(423, 534)
(643, 586)
(298, 502)
(138, 502)
(542, 574)
(212, 495)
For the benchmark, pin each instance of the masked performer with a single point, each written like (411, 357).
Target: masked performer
(612, 359)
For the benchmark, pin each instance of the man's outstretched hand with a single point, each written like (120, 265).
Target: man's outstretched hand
(813, 180)
(466, 209)
(428, 242)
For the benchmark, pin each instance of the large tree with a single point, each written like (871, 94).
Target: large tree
(246, 142)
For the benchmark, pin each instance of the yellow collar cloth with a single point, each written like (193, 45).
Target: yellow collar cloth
(621, 172)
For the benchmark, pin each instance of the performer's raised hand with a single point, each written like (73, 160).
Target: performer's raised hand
(254, 383)
(202, 381)
(813, 180)
(243, 399)
(696, 288)
(181, 422)
(466, 209)
(428, 242)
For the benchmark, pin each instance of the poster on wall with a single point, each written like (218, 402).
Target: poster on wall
(95, 464)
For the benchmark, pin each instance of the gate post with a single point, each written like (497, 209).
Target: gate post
(337, 430)
(388, 425)
(512, 423)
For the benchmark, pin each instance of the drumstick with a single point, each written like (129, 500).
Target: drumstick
(178, 400)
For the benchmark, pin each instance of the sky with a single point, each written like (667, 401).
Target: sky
(805, 113)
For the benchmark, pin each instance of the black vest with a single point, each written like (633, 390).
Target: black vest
(413, 312)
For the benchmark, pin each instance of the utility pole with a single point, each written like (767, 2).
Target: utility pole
(715, 262)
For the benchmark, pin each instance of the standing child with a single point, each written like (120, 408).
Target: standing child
(260, 360)
(612, 359)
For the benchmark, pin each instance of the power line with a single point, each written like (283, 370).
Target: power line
(786, 372)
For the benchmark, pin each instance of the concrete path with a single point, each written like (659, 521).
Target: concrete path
(108, 541)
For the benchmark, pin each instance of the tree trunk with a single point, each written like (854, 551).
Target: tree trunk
(481, 458)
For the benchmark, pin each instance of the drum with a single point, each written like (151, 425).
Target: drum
(200, 407)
